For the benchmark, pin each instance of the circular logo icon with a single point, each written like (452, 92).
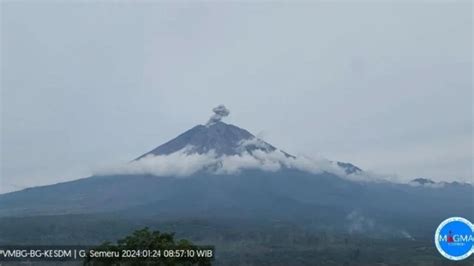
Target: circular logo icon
(454, 238)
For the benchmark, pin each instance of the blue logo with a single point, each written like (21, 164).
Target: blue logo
(454, 238)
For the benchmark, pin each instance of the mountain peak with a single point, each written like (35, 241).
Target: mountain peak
(423, 181)
(222, 139)
(215, 136)
(219, 137)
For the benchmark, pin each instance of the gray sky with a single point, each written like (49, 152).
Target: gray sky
(385, 86)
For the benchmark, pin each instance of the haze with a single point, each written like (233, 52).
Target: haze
(387, 86)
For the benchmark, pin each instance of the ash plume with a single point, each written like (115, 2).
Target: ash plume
(219, 112)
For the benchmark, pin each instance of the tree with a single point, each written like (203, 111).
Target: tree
(145, 247)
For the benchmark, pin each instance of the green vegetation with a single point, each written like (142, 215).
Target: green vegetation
(236, 241)
(145, 247)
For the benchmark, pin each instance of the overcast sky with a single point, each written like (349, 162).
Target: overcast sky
(385, 86)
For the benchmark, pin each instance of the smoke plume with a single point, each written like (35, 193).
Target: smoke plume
(219, 112)
(358, 223)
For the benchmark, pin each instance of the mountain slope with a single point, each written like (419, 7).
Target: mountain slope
(222, 138)
(318, 196)
(322, 200)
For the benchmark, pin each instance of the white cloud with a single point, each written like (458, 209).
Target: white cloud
(178, 164)
(185, 163)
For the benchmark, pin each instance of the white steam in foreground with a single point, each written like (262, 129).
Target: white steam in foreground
(358, 223)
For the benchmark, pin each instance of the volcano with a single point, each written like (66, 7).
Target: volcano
(231, 174)
(222, 138)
